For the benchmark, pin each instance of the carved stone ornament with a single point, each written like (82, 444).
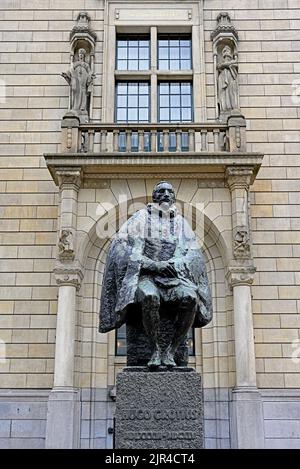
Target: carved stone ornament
(241, 275)
(68, 276)
(239, 177)
(241, 242)
(66, 245)
(69, 177)
(82, 26)
(224, 27)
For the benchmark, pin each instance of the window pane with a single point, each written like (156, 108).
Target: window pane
(175, 101)
(163, 43)
(143, 115)
(185, 53)
(133, 53)
(144, 44)
(164, 88)
(143, 101)
(144, 53)
(163, 53)
(185, 65)
(186, 100)
(122, 88)
(185, 88)
(164, 101)
(175, 88)
(174, 65)
(122, 101)
(174, 53)
(143, 88)
(122, 53)
(174, 42)
(122, 43)
(163, 65)
(186, 114)
(122, 64)
(175, 115)
(121, 115)
(164, 115)
(132, 88)
(132, 101)
(144, 65)
(132, 115)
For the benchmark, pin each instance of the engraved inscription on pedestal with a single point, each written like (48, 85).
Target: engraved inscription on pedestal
(159, 410)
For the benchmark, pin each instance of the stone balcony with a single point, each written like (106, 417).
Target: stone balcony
(190, 150)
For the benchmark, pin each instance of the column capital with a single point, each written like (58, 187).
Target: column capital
(241, 275)
(69, 178)
(238, 177)
(68, 275)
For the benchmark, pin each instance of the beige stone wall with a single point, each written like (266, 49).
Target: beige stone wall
(269, 65)
(34, 50)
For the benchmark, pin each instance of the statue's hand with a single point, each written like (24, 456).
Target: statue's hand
(167, 270)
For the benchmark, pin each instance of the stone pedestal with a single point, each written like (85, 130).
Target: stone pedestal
(159, 410)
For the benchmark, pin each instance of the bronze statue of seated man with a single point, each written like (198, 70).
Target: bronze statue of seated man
(155, 263)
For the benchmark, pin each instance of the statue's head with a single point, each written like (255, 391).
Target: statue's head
(163, 193)
(81, 53)
(227, 53)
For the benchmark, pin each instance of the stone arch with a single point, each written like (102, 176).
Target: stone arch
(96, 365)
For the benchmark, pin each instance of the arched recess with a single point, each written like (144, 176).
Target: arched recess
(96, 364)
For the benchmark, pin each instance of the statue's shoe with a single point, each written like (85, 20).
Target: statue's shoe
(155, 360)
(168, 359)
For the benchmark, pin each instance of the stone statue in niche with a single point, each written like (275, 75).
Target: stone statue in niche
(80, 79)
(155, 281)
(65, 245)
(227, 81)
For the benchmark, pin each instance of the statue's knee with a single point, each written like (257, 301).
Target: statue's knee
(148, 297)
(189, 300)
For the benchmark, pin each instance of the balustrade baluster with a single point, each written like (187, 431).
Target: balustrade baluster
(216, 133)
(191, 140)
(91, 134)
(166, 141)
(103, 140)
(128, 140)
(153, 140)
(141, 140)
(116, 134)
(204, 140)
(178, 134)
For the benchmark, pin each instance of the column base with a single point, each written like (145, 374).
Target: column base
(63, 419)
(247, 423)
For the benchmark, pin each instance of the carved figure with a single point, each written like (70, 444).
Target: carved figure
(65, 244)
(227, 81)
(80, 79)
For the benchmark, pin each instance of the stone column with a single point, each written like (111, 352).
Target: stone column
(246, 416)
(63, 417)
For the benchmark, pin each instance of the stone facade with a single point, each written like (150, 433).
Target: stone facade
(34, 50)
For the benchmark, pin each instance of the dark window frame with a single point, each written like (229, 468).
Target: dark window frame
(174, 37)
(128, 38)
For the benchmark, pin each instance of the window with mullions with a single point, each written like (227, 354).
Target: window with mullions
(121, 347)
(174, 52)
(132, 106)
(133, 53)
(175, 105)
